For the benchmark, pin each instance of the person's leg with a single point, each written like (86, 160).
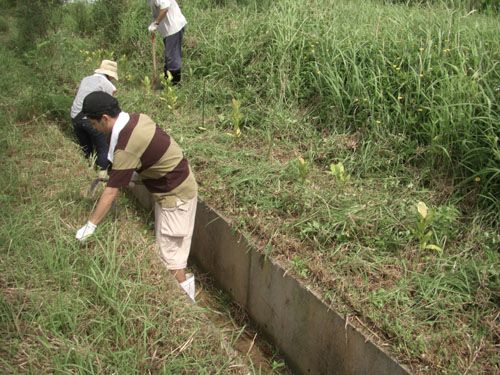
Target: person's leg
(174, 231)
(173, 55)
(180, 275)
(170, 246)
(83, 138)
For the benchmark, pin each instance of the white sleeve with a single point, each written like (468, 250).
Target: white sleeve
(162, 4)
(109, 88)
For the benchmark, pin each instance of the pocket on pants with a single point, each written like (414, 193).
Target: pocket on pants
(175, 221)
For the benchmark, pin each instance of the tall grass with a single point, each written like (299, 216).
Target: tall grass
(468, 5)
(429, 75)
(435, 85)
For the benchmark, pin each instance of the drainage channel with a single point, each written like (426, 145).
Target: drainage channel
(312, 338)
(259, 355)
(235, 325)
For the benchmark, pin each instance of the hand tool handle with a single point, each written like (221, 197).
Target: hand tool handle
(153, 83)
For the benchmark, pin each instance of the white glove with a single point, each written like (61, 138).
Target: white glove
(153, 27)
(102, 174)
(85, 231)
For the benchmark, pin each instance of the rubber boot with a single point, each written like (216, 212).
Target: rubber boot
(176, 77)
(189, 286)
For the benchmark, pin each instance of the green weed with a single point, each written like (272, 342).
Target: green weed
(236, 117)
(339, 174)
(146, 84)
(169, 92)
(422, 230)
(299, 265)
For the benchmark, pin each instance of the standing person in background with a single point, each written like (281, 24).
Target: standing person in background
(89, 138)
(139, 145)
(170, 22)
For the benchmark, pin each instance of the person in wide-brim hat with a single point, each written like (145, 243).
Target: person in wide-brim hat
(90, 139)
(109, 68)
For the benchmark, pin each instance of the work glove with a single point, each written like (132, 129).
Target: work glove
(85, 231)
(153, 27)
(102, 174)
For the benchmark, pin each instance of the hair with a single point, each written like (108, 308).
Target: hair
(112, 111)
(99, 103)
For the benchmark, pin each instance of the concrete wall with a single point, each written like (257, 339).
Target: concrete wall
(313, 339)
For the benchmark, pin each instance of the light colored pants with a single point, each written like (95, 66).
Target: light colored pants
(174, 231)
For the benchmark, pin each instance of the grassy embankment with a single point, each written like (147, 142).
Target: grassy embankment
(405, 98)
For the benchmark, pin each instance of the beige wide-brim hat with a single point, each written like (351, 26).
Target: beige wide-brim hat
(109, 68)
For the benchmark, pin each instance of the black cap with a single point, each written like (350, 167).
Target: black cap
(98, 103)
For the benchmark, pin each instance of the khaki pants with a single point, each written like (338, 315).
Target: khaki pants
(174, 231)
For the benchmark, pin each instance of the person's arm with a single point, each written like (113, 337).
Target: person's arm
(107, 197)
(161, 15)
(104, 204)
(154, 25)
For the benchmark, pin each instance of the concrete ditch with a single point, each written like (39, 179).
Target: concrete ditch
(312, 338)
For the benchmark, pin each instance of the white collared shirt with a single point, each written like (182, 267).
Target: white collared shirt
(121, 121)
(173, 21)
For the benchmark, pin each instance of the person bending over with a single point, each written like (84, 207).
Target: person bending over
(89, 138)
(139, 145)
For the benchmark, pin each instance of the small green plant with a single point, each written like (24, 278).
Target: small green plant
(422, 230)
(146, 84)
(168, 94)
(276, 366)
(124, 68)
(303, 168)
(339, 174)
(299, 265)
(236, 117)
(310, 229)
(94, 58)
